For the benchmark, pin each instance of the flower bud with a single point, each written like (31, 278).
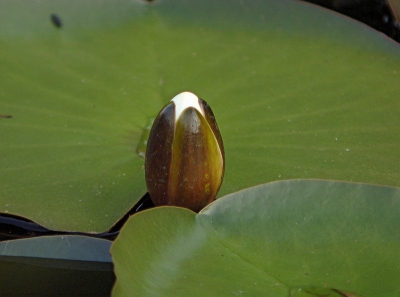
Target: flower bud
(185, 157)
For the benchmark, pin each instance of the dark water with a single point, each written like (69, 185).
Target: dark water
(375, 13)
(14, 227)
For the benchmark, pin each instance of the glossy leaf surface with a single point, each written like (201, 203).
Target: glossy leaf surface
(287, 238)
(298, 92)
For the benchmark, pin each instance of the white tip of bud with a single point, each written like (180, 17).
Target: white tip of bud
(185, 100)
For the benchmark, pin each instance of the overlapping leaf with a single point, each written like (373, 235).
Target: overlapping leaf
(56, 266)
(287, 238)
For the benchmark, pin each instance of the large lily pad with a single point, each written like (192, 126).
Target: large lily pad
(286, 238)
(298, 92)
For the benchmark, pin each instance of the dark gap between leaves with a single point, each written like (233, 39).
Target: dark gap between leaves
(375, 13)
(15, 227)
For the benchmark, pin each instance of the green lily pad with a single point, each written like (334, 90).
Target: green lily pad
(298, 92)
(56, 266)
(67, 247)
(286, 238)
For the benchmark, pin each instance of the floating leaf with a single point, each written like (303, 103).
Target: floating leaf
(299, 92)
(308, 235)
(56, 265)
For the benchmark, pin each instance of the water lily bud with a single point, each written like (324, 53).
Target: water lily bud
(185, 157)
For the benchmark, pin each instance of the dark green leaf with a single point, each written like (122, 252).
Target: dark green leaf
(57, 266)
